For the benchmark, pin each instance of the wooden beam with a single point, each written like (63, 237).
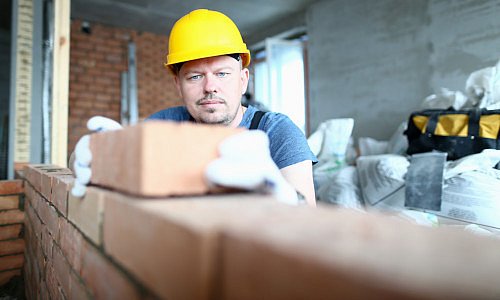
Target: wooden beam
(60, 84)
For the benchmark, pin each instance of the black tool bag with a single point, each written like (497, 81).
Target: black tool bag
(459, 133)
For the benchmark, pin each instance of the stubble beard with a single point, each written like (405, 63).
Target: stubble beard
(206, 115)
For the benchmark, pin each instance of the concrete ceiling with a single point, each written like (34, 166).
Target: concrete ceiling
(158, 16)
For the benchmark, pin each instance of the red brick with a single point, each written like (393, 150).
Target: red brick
(8, 275)
(36, 202)
(46, 243)
(47, 180)
(86, 96)
(10, 231)
(38, 259)
(75, 55)
(53, 287)
(49, 217)
(86, 79)
(29, 236)
(33, 176)
(29, 192)
(31, 270)
(104, 106)
(29, 242)
(62, 185)
(114, 43)
(45, 186)
(86, 63)
(33, 219)
(100, 275)
(173, 250)
(85, 46)
(27, 228)
(79, 291)
(19, 169)
(33, 275)
(11, 262)
(161, 166)
(329, 254)
(61, 270)
(44, 291)
(9, 202)
(86, 213)
(11, 247)
(102, 98)
(71, 242)
(104, 80)
(98, 56)
(28, 284)
(76, 70)
(12, 216)
(9, 187)
(77, 87)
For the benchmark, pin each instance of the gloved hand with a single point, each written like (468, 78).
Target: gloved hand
(83, 155)
(245, 162)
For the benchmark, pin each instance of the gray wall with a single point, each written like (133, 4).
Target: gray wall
(375, 61)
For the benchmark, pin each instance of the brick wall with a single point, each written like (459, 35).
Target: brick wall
(110, 245)
(64, 256)
(11, 227)
(96, 62)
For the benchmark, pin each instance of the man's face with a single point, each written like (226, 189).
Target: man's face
(211, 89)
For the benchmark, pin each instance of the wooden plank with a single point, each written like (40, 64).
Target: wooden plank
(60, 84)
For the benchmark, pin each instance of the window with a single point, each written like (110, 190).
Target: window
(279, 79)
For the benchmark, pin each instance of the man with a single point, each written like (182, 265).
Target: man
(208, 59)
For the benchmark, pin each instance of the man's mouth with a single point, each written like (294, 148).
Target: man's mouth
(210, 102)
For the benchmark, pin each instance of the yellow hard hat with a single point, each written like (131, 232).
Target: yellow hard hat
(205, 33)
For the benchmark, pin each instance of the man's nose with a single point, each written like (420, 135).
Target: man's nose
(211, 84)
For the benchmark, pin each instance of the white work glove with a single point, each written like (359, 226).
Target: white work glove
(245, 162)
(83, 155)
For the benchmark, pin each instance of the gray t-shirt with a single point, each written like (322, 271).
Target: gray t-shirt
(288, 144)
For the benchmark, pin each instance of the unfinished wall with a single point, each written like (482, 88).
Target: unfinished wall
(375, 61)
(237, 246)
(97, 60)
(63, 256)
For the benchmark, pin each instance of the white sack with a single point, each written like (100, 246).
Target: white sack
(342, 189)
(370, 146)
(483, 87)
(398, 143)
(380, 176)
(445, 99)
(329, 143)
(331, 138)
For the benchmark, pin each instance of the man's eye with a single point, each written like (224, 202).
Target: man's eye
(222, 74)
(194, 77)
